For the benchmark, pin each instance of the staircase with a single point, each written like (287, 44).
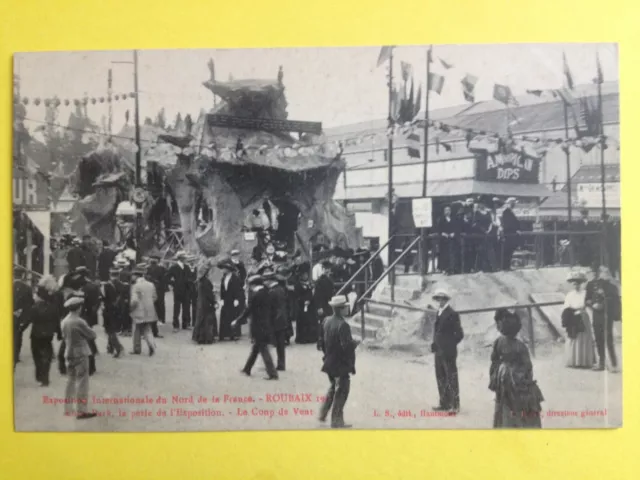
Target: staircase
(377, 317)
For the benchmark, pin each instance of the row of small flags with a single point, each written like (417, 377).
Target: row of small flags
(56, 102)
(240, 151)
(501, 93)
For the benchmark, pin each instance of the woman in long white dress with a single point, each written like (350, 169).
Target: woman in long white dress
(579, 349)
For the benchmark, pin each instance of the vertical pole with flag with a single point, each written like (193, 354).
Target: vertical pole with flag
(386, 55)
(599, 80)
(390, 159)
(424, 261)
(566, 98)
(136, 116)
(110, 100)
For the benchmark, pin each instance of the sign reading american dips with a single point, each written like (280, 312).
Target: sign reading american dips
(512, 167)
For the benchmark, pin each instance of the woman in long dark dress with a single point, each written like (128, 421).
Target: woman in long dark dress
(518, 397)
(233, 300)
(306, 320)
(206, 324)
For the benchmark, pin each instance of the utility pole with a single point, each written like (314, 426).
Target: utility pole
(424, 261)
(390, 160)
(136, 117)
(139, 192)
(110, 101)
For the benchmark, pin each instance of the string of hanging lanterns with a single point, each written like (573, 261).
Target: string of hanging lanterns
(56, 102)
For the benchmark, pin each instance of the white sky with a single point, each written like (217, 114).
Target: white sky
(336, 86)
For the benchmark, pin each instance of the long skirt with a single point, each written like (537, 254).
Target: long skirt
(205, 329)
(579, 351)
(306, 326)
(504, 417)
(227, 315)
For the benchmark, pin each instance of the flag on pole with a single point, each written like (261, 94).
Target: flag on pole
(406, 70)
(385, 55)
(502, 93)
(564, 94)
(413, 145)
(446, 64)
(599, 76)
(418, 102)
(436, 82)
(468, 87)
(567, 72)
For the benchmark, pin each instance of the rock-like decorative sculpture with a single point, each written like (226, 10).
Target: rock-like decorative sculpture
(236, 170)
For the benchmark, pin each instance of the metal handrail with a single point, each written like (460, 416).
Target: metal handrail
(366, 264)
(389, 269)
(464, 312)
(528, 306)
(25, 269)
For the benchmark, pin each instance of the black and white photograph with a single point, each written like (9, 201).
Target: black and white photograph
(383, 237)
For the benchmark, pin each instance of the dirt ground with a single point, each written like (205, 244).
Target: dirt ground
(391, 390)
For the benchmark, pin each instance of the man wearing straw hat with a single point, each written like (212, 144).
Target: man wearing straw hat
(76, 335)
(447, 334)
(339, 361)
(143, 310)
(261, 329)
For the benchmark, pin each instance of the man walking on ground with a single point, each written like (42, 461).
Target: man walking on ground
(259, 311)
(339, 361)
(143, 311)
(76, 335)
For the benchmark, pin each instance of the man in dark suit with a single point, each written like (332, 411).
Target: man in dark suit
(510, 230)
(447, 334)
(75, 255)
(112, 319)
(322, 293)
(158, 276)
(180, 278)
(448, 229)
(22, 302)
(91, 260)
(89, 311)
(242, 270)
(261, 331)
(603, 299)
(279, 320)
(339, 361)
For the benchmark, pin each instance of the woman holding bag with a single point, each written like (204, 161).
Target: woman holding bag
(579, 351)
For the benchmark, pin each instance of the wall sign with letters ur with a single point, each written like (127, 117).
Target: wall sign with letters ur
(511, 167)
(30, 192)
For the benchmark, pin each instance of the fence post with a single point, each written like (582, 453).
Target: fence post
(532, 339)
(462, 253)
(362, 330)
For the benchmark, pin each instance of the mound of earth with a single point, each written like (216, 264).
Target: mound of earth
(413, 330)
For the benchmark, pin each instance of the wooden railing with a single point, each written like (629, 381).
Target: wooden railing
(527, 306)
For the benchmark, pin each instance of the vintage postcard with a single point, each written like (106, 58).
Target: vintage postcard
(400, 237)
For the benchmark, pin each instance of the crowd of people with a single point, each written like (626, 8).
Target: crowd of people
(482, 235)
(276, 290)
